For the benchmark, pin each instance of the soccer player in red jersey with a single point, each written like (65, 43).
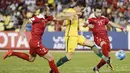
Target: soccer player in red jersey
(97, 25)
(36, 48)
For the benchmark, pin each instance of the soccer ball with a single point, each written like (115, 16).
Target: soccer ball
(120, 54)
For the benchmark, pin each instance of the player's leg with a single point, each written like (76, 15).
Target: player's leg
(51, 62)
(71, 43)
(43, 52)
(102, 62)
(83, 41)
(7, 54)
(21, 55)
(64, 59)
(105, 50)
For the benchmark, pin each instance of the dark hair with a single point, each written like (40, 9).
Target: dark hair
(97, 7)
(80, 4)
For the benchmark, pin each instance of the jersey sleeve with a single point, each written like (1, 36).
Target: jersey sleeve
(49, 18)
(106, 21)
(89, 21)
(35, 20)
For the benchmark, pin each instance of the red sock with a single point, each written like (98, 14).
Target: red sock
(53, 66)
(21, 55)
(101, 63)
(105, 51)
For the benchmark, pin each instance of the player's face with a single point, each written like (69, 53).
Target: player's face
(79, 9)
(98, 12)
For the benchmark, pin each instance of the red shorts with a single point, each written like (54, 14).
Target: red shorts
(36, 47)
(98, 40)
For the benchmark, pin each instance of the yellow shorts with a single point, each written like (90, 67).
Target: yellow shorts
(71, 42)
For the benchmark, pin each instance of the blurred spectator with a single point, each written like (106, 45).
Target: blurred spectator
(87, 10)
(73, 3)
(51, 27)
(120, 19)
(64, 2)
(104, 3)
(31, 7)
(2, 28)
(30, 2)
(123, 8)
(128, 18)
(13, 12)
(59, 7)
(8, 22)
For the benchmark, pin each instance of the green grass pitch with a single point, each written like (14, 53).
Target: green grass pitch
(82, 62)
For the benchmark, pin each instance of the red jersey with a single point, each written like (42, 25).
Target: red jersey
(99, 30)
(38, 26)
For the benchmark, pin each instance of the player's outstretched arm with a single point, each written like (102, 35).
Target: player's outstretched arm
(63, 17)
(86, 24)
(70, 14)
(23, 28)
(66, 16)
(117, 26)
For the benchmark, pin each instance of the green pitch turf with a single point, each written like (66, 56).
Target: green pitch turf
(82, 62)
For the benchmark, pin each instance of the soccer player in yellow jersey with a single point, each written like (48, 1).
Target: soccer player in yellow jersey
(72, 39)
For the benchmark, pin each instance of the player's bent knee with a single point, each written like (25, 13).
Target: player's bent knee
(102, 43)
(89, 43)
(32, 59)
(69, 58)
(69, 55)
(49, 57)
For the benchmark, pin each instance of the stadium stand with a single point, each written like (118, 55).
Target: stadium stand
(13, 12)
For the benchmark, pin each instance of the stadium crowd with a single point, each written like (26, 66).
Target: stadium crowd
(13, 12)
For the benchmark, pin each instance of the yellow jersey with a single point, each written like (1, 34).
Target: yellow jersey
(71, 25)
